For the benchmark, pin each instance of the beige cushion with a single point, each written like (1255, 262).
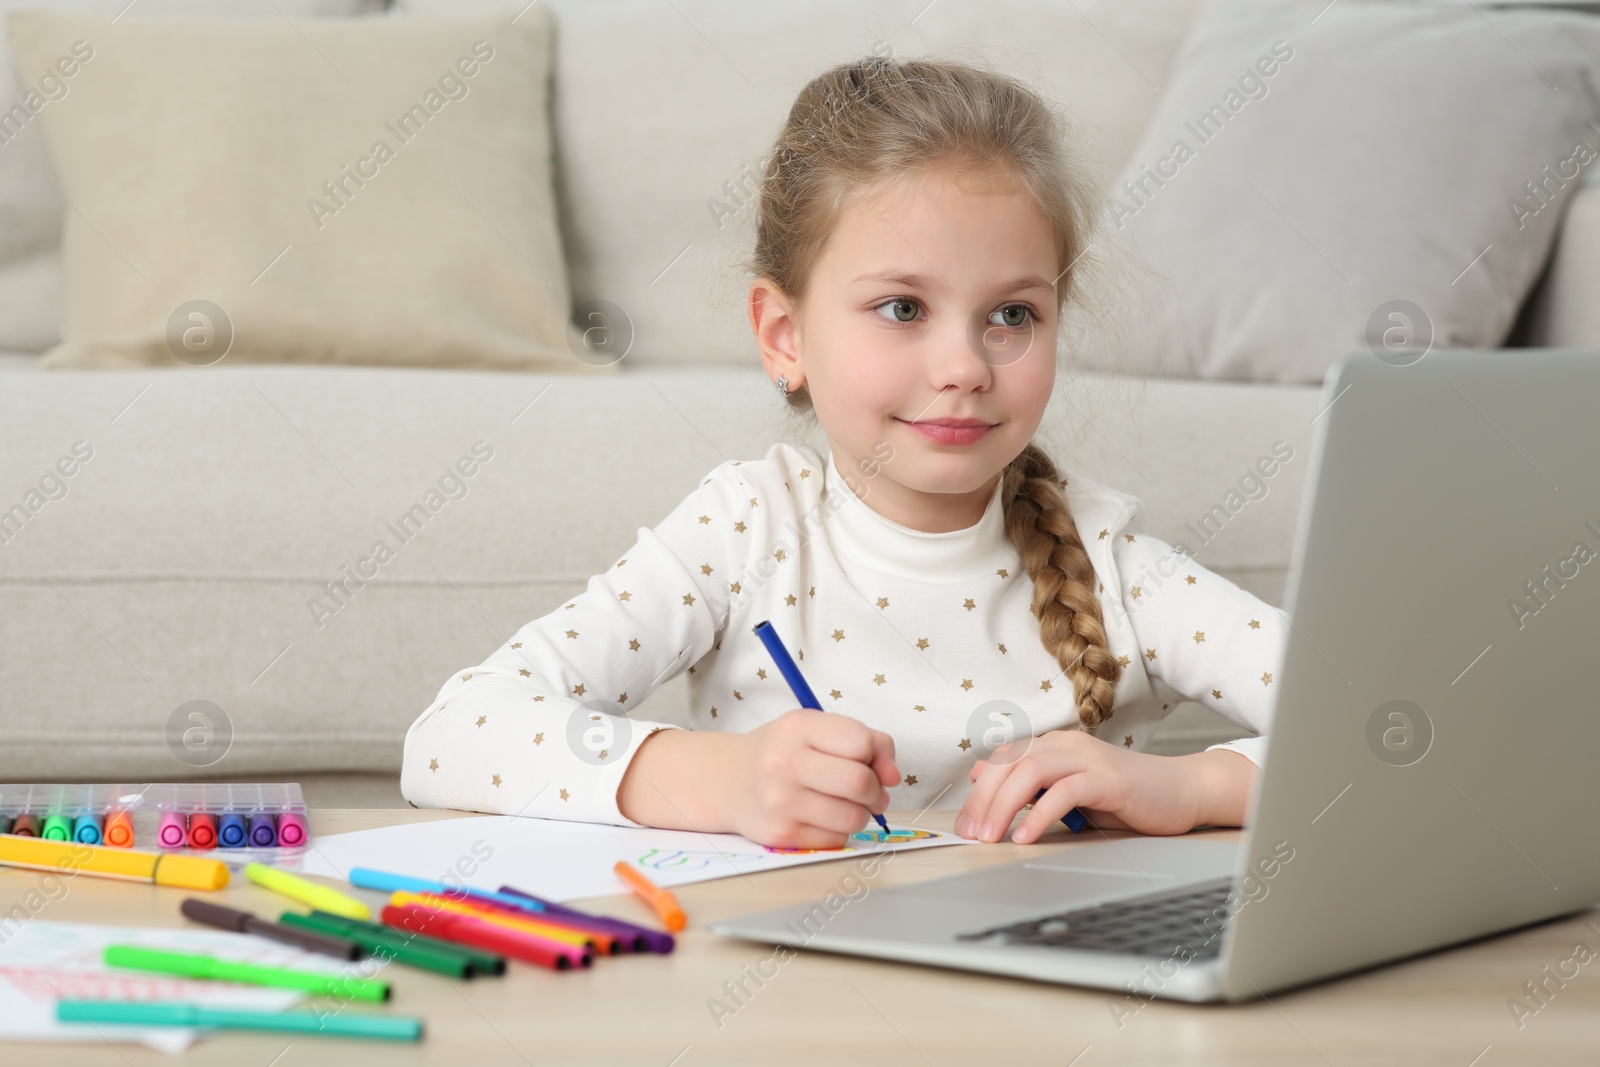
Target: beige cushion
(1379, 154)
(344, 191)
(663, 112)
(30, 210)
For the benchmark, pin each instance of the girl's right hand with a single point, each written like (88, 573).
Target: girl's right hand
(808, 779)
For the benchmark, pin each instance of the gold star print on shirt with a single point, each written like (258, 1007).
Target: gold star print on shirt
(909, 635)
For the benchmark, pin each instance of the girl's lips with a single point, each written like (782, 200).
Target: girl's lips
(950, 435)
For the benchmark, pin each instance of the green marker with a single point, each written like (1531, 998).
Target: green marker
(483, 961)
(149, 1013)
(426, 953)
(193, 965)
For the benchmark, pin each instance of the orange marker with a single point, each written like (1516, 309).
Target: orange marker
(525, 922)
(664, 903)
(119, 829)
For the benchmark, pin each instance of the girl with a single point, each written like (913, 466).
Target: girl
(946, 591)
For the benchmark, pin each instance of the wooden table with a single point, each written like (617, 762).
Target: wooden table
(655, 1011)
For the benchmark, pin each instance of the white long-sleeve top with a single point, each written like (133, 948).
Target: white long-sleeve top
(929, 637)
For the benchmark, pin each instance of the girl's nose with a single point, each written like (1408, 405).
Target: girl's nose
(961, 360)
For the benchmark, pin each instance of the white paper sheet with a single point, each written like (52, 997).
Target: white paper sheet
(41, 962)
(563, 861)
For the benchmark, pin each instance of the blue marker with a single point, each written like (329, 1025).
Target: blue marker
(385, 882)
(1075, 820)
(231, 830)
(797, 683)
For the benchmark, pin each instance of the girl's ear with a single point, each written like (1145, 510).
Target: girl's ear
(772, 319)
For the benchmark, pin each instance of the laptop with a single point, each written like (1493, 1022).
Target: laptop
(1429, 775)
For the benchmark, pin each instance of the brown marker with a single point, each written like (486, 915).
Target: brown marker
(242, 922)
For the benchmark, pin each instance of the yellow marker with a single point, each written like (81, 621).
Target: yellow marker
(317, 897)
(129, 865)
(529, 924)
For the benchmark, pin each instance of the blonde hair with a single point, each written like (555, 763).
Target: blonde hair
(873, 121)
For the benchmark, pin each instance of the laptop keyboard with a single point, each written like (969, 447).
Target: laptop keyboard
(1157, 925)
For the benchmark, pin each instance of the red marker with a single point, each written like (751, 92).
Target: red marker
(202, 830)
(486, 935)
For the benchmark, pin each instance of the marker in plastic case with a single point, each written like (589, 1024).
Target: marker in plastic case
(56, 828)
(232, 831)
(119, 829)
(86, 828)
(263, 830)
(173, 832)
(27, 825)
(291, 829)
(202, 830)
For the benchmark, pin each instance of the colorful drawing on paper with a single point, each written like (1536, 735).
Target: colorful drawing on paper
(677, 859)
(861, 837)
(873, 837)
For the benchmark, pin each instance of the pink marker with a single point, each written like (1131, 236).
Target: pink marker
(174, 831)
(291, 829)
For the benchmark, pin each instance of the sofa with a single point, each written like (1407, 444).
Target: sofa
(185, 599)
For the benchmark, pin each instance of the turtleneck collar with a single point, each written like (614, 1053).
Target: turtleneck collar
(861, 535)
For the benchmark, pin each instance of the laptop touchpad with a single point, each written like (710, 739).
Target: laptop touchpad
(1107, 870)
(1155, 862)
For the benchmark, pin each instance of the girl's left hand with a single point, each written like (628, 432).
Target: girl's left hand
(1116, 788)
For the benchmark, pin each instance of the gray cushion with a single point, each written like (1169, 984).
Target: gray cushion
(1301, 177)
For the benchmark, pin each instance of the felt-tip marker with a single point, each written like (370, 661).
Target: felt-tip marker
(242, 922)
(423, 957)
(158, 868)
(637, 938)
(797, 683)
(213, 968)
(176, 1013)
(387, 882)
(1075, 820)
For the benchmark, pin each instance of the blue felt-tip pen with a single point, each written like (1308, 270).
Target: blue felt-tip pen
(791, 674)
(1075, 820)
(387, 882)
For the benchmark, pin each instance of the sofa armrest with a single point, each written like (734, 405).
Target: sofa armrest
(1562, 310)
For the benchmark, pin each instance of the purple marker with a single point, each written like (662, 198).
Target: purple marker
(637, 937)
(291, 829)
(263, 830)
(174, 830)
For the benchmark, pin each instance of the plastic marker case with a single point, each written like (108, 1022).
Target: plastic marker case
(239, 822)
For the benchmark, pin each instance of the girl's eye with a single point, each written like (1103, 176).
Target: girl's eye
(1013, 315)
(901, 309)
